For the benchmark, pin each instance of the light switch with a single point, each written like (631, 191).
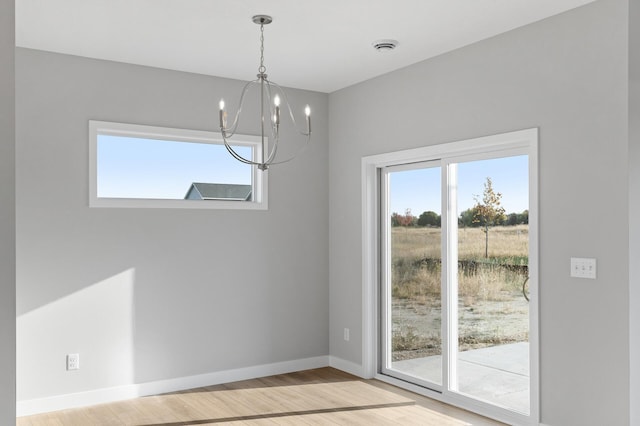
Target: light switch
(583, 267)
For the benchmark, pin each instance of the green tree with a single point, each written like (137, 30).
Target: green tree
(429, 219)
(488, 211)
(466, 218)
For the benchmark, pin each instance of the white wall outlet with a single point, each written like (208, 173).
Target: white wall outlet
(346, 334)
(583, 268)
(73, 362)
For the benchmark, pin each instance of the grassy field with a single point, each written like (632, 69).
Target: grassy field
(416, 268)
(492, 308)
(504, 242)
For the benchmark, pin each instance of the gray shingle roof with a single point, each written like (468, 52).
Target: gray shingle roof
(218, 191)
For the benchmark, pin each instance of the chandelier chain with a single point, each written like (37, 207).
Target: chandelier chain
(262, 68)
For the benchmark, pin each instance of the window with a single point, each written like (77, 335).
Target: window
(144, 166)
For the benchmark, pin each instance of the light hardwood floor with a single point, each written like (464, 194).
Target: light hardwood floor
(323, 396)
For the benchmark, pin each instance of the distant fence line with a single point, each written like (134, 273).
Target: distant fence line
(472, 266)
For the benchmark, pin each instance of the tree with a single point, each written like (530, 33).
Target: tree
(466, 218)
(395, 221)
(488, 211)
(524, 217)
(407, 219)
(429, 219)
(512, 219)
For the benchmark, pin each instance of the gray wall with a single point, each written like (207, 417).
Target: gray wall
(568, 76)
(634, 207)
(7, 216)
(151, 294)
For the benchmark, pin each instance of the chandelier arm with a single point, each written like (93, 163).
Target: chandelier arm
(238, 156)
(272, 154)
(274, 130)
(286, 102)
(294, 156)
(230, 131)
(276, 138)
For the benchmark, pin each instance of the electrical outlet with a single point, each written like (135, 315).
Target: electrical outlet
(73, 362)
(346, 334)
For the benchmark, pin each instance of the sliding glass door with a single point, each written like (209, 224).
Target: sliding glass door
(489, 286)
(455, 249)
(413, 273)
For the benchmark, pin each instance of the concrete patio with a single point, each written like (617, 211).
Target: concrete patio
(498, 374)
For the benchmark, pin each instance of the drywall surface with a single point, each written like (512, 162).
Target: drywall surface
(634, 209)
(151, 294)
(7, 216)
(568, 76)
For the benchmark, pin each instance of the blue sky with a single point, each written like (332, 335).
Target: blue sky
(419, 189)
(148, 168)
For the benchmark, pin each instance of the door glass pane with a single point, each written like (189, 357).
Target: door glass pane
(415, 265)
(493, 309)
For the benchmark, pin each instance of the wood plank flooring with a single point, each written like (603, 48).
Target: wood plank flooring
(323, 396)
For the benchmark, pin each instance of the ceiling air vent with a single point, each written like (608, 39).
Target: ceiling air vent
(384, 45)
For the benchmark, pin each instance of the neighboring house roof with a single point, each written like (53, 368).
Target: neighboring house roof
(218, 191)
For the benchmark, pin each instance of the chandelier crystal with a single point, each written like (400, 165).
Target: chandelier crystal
(272, 101)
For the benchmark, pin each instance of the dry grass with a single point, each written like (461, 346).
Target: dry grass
(482, 283)
(417, 270)
(420, 243)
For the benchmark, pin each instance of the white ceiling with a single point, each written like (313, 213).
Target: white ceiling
(321, 45)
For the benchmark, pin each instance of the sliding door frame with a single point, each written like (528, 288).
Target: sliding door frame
(525, 142)
(385, 277)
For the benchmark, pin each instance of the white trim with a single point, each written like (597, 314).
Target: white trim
(526, 140)
(119, 393)
(385, 272)
(534, 283)
(96, 128)
(346, 366)
(517, 139)
(370, 269)
(450, 274)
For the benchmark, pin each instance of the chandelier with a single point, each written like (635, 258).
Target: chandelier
(272, 100)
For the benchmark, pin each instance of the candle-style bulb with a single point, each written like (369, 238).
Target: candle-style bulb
(276, 115)
(307, 111)
(223, 115)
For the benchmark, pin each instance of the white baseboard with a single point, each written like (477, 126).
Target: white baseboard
(75, 400)
(346, 366)
(119, 393)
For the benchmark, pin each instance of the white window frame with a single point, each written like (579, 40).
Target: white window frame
(96, 128)
(525, 141)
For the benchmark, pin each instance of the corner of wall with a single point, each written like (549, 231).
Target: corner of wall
(347, 366)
